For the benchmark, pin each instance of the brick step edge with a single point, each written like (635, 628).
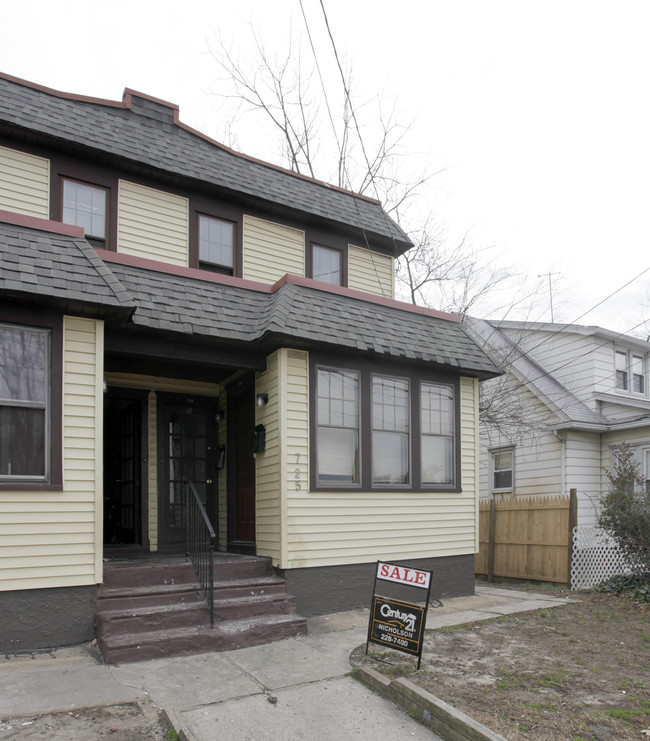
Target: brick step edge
(224, 636)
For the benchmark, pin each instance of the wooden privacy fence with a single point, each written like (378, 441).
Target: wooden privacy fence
(527, 538)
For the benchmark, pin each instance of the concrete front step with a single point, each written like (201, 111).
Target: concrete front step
(155, 608)
(224, 636)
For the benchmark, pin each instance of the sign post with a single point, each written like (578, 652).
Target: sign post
(396, 623)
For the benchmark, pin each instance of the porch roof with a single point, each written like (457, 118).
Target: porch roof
(299, 316)
(57, 268)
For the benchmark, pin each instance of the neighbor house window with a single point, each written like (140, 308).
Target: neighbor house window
(503, 469)
(338, 427)
(630, 372)
(86, 206)
(437, 433)
(390, 430)
(327, 265)
(377, 431)
(24, 403)
(216, 245)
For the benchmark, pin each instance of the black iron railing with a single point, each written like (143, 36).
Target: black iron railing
(200, 543)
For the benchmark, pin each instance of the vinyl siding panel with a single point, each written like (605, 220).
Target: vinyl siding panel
(269, 488)
(24, 183)
(371, 272)
(152, 224)
(332, 528)
(54, 539)
(271, 250)
(583, 473)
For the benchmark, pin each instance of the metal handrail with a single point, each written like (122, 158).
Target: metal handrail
(200, 542)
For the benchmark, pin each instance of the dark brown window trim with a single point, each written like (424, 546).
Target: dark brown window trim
(53, 322)
(367, 367)
(65, 168)
(205, 206)
(316, 237)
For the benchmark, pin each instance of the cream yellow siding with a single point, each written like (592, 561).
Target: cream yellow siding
(24, 183)
(152, 224)
(332, 528)
(269, 492)
(54, 539)
(371, 272)
(271, 250)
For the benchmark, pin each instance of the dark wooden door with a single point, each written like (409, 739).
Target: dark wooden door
(187, 446)
(123, 504)
(241, 466)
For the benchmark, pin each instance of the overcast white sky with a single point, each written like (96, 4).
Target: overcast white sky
(539, 112)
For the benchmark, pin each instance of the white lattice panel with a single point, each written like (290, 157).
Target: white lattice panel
(596, 557)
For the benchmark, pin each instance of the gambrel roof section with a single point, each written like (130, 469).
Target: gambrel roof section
(144, 131)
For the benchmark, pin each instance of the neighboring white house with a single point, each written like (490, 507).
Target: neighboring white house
(570, 394)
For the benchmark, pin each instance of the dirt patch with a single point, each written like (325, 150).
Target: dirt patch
(576, 672)
(127, 722)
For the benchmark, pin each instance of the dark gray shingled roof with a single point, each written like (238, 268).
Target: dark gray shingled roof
(299, 315)
(59, 268)
(146, 134)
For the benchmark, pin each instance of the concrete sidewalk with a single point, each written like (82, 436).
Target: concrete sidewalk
(298, 688)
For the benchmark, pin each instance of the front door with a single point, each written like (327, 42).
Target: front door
(123, 444)
(187, 448)
(241, 465)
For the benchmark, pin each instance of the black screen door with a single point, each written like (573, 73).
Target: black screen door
(187, 444)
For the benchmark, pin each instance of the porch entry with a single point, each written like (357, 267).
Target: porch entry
(187, 451)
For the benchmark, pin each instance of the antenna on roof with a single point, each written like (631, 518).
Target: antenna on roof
(550, 291)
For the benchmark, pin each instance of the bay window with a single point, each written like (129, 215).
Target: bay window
(382, 431)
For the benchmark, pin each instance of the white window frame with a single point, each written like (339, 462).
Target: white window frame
(631, 359)
(499, 451)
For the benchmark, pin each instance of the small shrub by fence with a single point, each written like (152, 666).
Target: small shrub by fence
(527, 538)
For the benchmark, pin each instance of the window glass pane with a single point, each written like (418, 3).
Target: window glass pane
(338, 427)
(437, 460)
(437, 405)
(338, 455)
(216, 241)
(326, 265)
(502, 462)
(390, 458)
(621, 370)
(85, 206)
(390, 423)
(23, 364)
(638, 376)
(22, 441)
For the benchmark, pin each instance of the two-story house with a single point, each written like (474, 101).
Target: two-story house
(570, 393)
(172, 311)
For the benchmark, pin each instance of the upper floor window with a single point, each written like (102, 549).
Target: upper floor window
(216, 244)
(86, 206)
(24, 403)
(502, 469)
(630, 372)
(327, 265)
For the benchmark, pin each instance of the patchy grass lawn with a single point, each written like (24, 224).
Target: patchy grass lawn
(576, 672)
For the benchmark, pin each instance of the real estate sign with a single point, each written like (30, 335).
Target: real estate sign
(396, 623)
